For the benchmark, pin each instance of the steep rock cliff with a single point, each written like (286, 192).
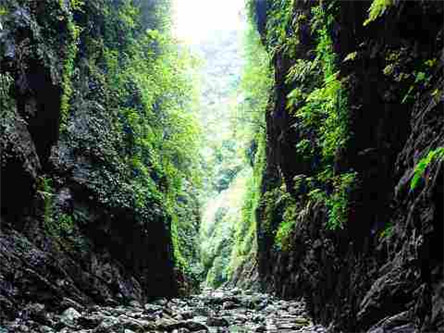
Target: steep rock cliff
(74, 229)
(368, 253)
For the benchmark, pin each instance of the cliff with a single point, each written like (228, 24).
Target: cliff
(88, 196)
(352, 194)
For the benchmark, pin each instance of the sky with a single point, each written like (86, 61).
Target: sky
(196, 20)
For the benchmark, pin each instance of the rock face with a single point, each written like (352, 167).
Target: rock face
(251, 312)
(354, 277)
(70, 233)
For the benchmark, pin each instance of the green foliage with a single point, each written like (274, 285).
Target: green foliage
(419, 78)
(318, 105)
(57, 225)
(6, 101)
(287, 225)
(229, 222)
(387, 231)
(423, 164)
(324, 108)
(337, 202)
(3, 11)
(377, 9)
(66, 223)
(46, 191)
(412, 75)
(127, 109)
(350, 57)
(280, 30)
(68, 66)
(244, 238)
(133, 93)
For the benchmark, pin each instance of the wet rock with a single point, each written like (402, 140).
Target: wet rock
(108, 324)
(217, 321)
(187, 314)
(182, 316)
(228, 305)
(42, 329)
(193, 326)
(161, 302)
(69, 317)
(261, 328)
(70, 303)
(152, 308)
(89, 322)
(37, 312)
(135, 304)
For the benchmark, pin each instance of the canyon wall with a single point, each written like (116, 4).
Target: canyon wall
(351, 215)
(83, 219)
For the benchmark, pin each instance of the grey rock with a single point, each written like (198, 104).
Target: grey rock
(228, 305)
(261, 328)
(69, 317)
(152, 308)
(89, 322)
(187, 314)
(194, 326)
(135, 304)
(217, 321)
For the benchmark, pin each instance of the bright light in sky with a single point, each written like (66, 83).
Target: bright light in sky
(195, 20)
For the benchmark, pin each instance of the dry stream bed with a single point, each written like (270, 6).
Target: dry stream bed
(211, 311)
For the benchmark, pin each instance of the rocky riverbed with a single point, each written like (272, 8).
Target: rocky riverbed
(211, 311)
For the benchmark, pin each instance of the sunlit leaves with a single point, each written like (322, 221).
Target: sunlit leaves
(423, 164)
(377, 9)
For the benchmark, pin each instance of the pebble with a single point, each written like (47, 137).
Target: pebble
(211, 311)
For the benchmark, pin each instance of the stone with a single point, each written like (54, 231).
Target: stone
(181, 316)
(38, 313)
(43, 329)
(194, 326)
(161, 301)
(69, 317)
(70, 303)
(217, 321)
(228, 305)
(152, 308)
(187, 314)
(89, 322)
(135, 304)
(108, 324)
(261, 328)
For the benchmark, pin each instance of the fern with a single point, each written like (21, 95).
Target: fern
(423, 164)
(377, 9)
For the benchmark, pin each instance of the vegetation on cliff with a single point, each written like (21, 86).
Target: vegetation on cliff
(311, 164)
(229, 228)
(124, 112)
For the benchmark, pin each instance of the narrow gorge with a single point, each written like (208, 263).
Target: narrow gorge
(221, 166)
